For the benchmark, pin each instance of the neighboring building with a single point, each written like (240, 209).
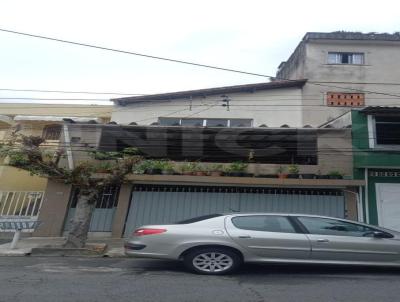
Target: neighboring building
(20, 193)
(152, 199)
(342, 69)
(326, 76)
(269, 104)
(376, 159)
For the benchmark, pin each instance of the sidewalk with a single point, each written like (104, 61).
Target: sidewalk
(37, 245)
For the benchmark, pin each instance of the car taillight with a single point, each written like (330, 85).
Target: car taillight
(145, 231)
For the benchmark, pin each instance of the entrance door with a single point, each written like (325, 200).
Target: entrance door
(388, 204)
(103, 214)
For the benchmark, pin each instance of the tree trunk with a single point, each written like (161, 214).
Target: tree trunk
(80, 223)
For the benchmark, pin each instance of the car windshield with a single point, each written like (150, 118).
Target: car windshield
(197, 219)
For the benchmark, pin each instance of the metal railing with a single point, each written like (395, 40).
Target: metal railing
(20, 203)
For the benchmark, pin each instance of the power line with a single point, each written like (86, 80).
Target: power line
(182, 61)
(132, 53)
(54, 99)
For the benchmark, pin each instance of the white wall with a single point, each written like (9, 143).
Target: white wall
(273, 107)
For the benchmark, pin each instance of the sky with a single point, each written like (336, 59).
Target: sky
(253, 36)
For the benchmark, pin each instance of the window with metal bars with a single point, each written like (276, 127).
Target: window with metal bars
(106, 200)
(52, 132)
(350, 58)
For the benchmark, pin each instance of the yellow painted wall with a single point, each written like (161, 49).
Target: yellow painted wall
(13, 179)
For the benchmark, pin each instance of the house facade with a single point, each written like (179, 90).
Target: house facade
(376, 140)
(376, 159)
(154, 198)
(344, 70)
(270, 104)
(21, 194)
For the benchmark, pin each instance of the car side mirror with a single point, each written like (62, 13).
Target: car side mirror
(378, 234)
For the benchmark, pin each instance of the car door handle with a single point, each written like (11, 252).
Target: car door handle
(322, 240)
(244, 236)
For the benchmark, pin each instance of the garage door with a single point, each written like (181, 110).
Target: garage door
(388, 203)
(168, 204)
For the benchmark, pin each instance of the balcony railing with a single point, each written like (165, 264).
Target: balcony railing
(20, 203)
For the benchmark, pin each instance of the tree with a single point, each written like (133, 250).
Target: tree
(27, 152)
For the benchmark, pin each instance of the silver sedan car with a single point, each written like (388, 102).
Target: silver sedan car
(218, 244)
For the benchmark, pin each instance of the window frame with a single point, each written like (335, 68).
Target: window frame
(346, 53)
(205, 121)
(296, 229)
(307, 231)
(373, 139)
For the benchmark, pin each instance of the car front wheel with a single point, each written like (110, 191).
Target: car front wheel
(212, 261)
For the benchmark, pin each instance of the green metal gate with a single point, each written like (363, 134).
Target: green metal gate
(163, 204)
(103, 214)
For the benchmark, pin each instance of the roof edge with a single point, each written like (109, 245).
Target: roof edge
(212, 91)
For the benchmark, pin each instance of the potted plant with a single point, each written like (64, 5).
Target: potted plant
(167, 167)
(199, 170)
(188, 168)
(335, 175)
(131, 151)
(148, 166)
(155, 167)
(281, 171)
(293, 171)
(215, 170)
(236, 169)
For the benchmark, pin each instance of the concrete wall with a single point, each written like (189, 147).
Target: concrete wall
(54, 210)
(268, 107)
(124, 199)
(379, 73)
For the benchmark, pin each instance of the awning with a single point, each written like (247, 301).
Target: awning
(49, 118)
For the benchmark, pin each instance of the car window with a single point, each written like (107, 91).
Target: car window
(264, 223)
(326, 226)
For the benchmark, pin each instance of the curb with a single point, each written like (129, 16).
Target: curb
(15, 252)
(65, 252)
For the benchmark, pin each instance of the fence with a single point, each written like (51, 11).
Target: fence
(20, 203)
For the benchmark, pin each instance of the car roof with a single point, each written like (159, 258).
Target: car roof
(278, 214)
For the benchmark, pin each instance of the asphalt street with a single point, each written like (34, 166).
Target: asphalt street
(119, 279)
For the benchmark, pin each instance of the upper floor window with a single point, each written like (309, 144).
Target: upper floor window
(387, 130)
(52, 132)
(205, 122)
(345, 58)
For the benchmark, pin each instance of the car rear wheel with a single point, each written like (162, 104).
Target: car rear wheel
(212, 261)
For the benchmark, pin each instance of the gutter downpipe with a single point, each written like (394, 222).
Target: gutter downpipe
(366, 195)
(360, 208)
(68, 146)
